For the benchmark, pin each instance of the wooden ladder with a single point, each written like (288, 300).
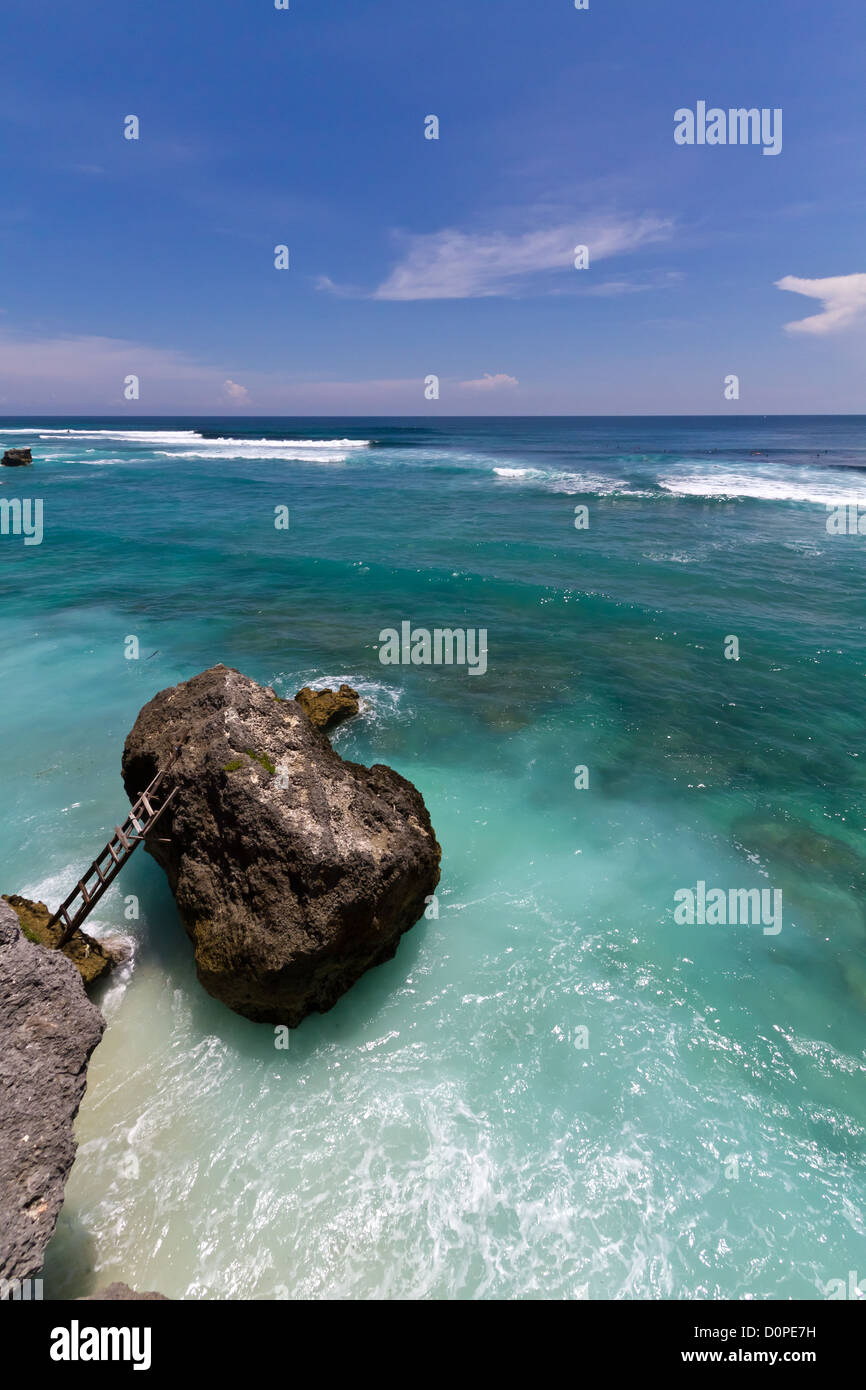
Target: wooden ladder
(108, 864)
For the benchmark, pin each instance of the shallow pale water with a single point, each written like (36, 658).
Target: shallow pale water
(439, 1133)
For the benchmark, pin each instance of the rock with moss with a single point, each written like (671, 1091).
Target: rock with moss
(48, 1030)
(328, 708)
(293, 870)
(91, 958)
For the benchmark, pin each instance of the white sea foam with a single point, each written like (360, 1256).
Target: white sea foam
(518, 473)
(192, 444)
(300, 450)
(572, 484)
(381, 704)
(596, 484)
(232, 442)
(820, 491)
(127, 436)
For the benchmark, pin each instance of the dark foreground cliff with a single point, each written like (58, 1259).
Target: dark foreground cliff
(294, 871)
(48, 1030)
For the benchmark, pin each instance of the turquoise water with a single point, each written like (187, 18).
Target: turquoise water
(439, 1133)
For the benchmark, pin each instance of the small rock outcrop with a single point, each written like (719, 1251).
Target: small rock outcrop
(328, 708)
(89, 956)
(48, 1030)
(16, 458)
(122, 1293)
(293, 871)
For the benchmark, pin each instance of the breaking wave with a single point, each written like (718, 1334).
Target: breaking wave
(766, 488)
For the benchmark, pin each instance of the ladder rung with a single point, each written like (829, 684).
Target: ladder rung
(119, 848)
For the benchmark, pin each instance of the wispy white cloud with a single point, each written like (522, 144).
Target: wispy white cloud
(489, 382)
(234, 392)
(324, 282)
(843, 298)
(663, 280)
(452, 264)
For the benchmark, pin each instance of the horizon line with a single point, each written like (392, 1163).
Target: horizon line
(655, 415)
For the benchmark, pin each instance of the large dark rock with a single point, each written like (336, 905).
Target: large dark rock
(328, 708)
(16, 458)
(91, 958)
(122, 1293)
(293, 871)
(48, 1029)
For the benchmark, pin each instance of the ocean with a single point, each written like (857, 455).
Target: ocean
(556, 1089)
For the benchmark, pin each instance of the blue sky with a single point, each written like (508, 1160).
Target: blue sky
(412, 257)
